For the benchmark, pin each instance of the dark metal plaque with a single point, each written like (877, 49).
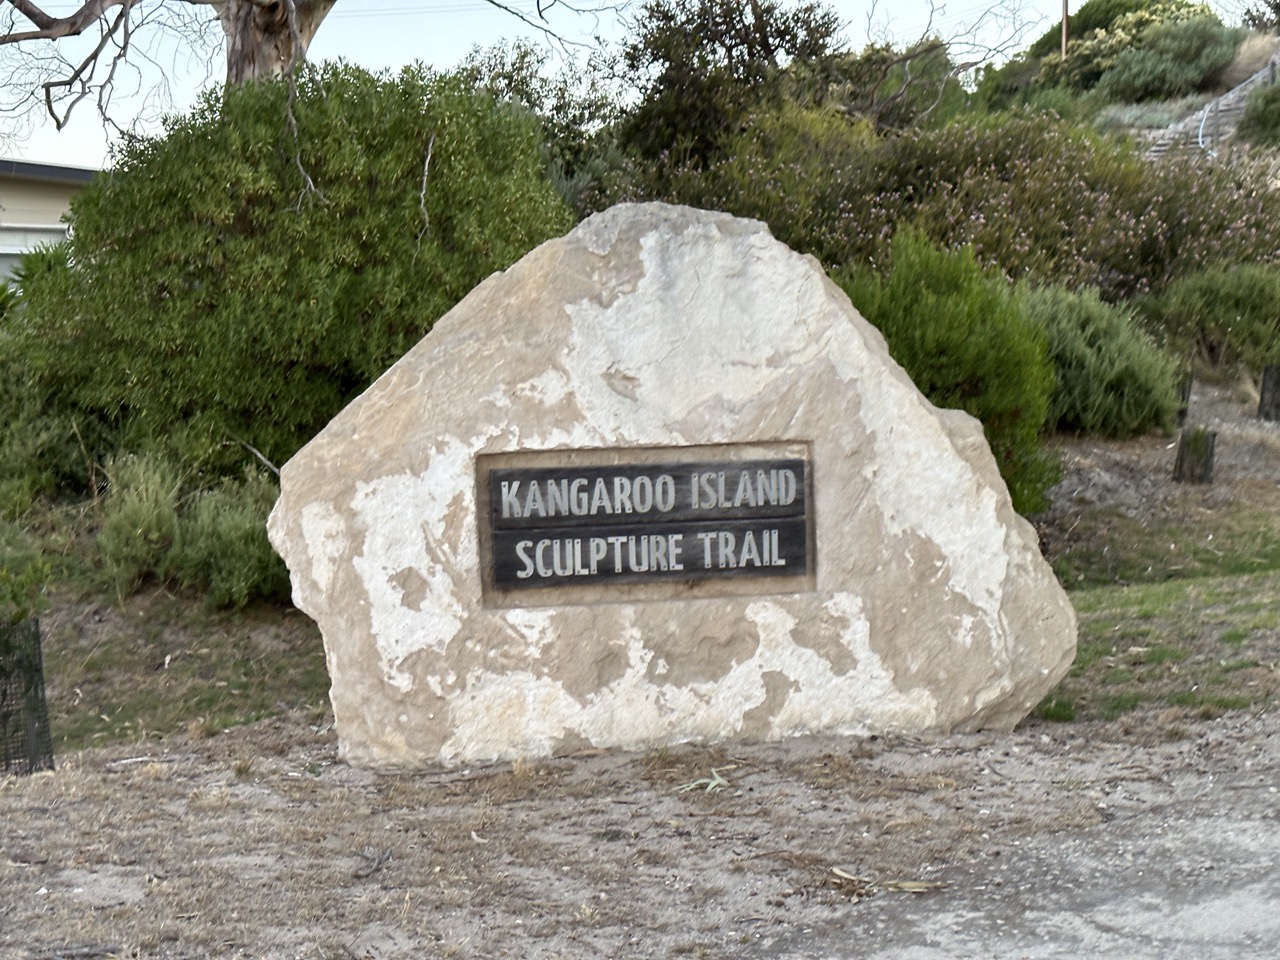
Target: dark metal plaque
(637, 522)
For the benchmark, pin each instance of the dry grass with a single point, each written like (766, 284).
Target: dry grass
(1251, 56)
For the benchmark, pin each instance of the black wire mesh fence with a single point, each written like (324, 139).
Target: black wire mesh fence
(25, 742)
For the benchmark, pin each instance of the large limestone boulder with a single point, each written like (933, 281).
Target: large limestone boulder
(918, 601)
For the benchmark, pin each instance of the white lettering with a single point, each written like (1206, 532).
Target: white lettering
(726, 544)
(658, 553)
(510, 505)
(579, 569)
(643, 491)
(746, 494)
(706, 539)
(557, 497)
(616, 543)
(708, 498)
(543, 569)
(522, 551)
(675, 543)
(599, 549)
(622, 495)
(580, 503)
(767, 486)
(665, 493)
(786, 487)
(750, 551)
(560, 559)
(638, 563)
(533, 505)
(600, 498)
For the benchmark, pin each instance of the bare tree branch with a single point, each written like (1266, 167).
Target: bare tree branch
(262, 38)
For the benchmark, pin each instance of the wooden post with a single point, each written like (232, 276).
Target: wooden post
(1194, 463)
(1269, 394)
(1184, 398)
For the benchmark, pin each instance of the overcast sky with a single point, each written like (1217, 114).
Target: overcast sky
(391, 33)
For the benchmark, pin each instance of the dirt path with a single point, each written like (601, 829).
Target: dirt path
(1134, 839)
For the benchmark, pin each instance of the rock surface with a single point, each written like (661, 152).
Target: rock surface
(928, 609)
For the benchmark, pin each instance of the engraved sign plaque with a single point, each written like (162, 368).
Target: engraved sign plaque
(643, 522)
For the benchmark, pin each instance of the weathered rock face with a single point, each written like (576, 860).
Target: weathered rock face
(919, 601)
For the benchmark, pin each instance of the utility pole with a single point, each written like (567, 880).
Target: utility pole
(1064, 29)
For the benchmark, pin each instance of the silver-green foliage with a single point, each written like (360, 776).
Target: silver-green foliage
(1175, 58)
(220, 550)
(240, 278)
(154, 526)
(1111, 378)
(140, 518)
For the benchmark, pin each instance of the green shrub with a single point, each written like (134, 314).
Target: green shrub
(1175, 58)
(1260, 124)
(1038, 198)
(1222, 317)
(139, 518)
(33, 444)
(215, 297)
(1111, 379)
(1035, 197)
(40, 447)
(213, 542)
(22, 588)
(221, 549)
(964, 339)
(772, 171)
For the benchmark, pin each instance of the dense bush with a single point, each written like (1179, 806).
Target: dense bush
(1034, 196)
(22, 586)
(1222, 317)
(216, 296)
(139, 518)
(1110, 378)
(1175, 58)
(211, 541)
(219, 549)
(963, 337)
(39, 450)
(1260, 124)
(1040, 199)
(785, 168)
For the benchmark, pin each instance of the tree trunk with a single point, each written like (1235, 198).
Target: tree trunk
(261, 41)
(1194, 463)
(1269, 397)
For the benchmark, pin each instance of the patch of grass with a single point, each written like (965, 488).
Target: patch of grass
(1229, 702)
(1161, 645)
(1089, 652)
(1118, 704)
(1107, 547)
(1234, 637)
(153, 668)
(1161, 654)
(1118, 675)
(1056, 709)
